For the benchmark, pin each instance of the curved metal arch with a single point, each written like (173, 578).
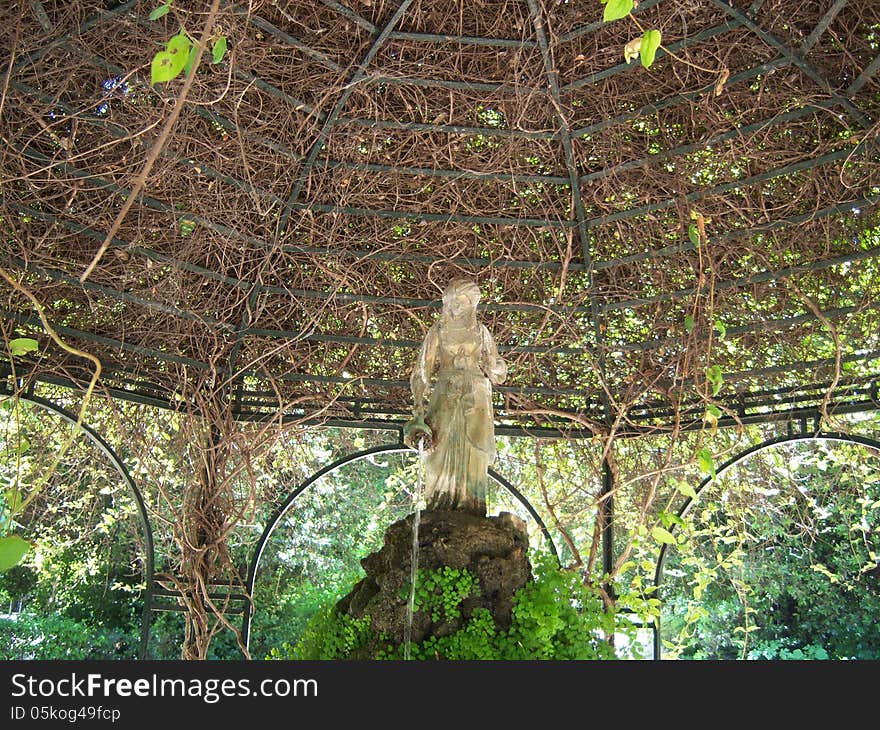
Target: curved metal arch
(117, 463)
(279, 513)
(733, 461)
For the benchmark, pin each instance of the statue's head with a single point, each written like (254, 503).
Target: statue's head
(461, 295)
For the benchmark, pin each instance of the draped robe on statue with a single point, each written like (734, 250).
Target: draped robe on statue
(464, 362)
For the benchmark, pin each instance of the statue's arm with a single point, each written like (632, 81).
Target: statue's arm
(416, 430)
(423, 370)
(493, 365)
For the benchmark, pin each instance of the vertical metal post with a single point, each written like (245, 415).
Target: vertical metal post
(657, 647)
(146, 617)
(607, 516)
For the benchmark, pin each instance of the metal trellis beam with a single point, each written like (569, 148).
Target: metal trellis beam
(847, 152)
(864, 77)
(399, 35)
(659, 253)
(285, 38)
(346, 297)
(756, 278)
(826, 20)
(317, 145)
(734, 133)
(767, 325)
(856, 114)
(351, 15)
(577, 200)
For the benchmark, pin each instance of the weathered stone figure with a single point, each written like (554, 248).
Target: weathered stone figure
(452, 393)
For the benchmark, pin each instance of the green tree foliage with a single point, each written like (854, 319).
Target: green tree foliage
(781, 560)
(34, 636)
(315, 551)
(777, 559)
(78, 592)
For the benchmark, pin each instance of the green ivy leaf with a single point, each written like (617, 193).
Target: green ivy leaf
(13, 500)
(23, 444)
(689, 323)
(650, 44)
(694, 234)
(218, 50)
(23, 345)
(160, 11)
(162, 68)
(169, 63)
(686, 489)
(706, 462)
(12, 550)
(190, 60)
(179, 43)
(664, 536)
(617, 9)
(713, 410)
(721, 327)
(715, 377)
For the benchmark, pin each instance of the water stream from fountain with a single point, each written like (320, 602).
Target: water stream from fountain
(414, 557)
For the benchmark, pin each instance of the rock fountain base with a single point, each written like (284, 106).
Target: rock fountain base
(494, 550)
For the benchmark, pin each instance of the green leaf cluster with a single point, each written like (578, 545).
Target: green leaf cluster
(555, 616)
(706, 462)
(329, 635)
(441, 591)
(160, 11)
(616, 9)
(180, 52)
(780, 560)
(715, 378)
(54, 637)
(12, 550)
(648, 49)
(23, 345)
(168, 64)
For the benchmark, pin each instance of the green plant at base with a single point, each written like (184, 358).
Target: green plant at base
(555, 616)
(329, 635)
(441, 592)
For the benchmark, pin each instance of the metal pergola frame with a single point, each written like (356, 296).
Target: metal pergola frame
(799, 401)
(158, 599)
(580, 226)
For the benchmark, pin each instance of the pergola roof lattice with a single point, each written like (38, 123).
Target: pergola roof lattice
(632, 229)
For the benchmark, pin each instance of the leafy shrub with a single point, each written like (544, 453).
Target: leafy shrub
(58, 637)
(554, 617)
(329, 635)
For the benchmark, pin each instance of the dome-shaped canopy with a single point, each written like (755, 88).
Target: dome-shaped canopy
(648, 240)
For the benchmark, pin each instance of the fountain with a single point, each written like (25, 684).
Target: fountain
(414, 555)
(453, 432)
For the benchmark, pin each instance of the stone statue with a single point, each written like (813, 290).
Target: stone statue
(452, 392)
